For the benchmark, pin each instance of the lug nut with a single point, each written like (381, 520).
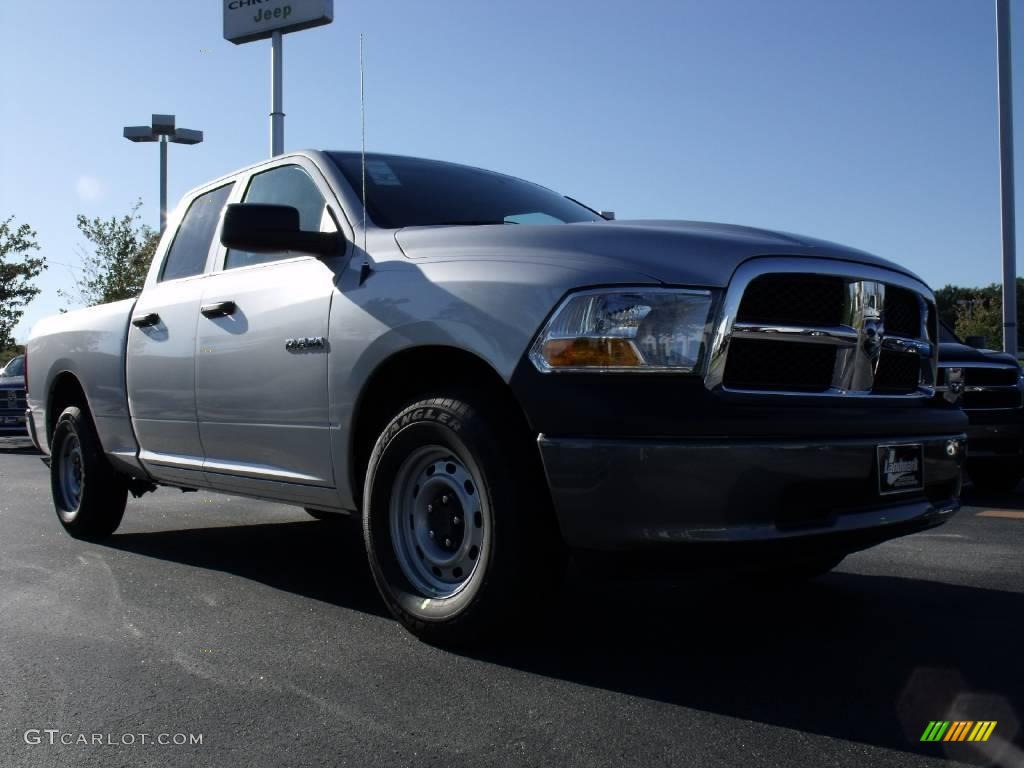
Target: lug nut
(447, 542)
(430, 534)
(430, 507)
(456, 520)
(444, 499)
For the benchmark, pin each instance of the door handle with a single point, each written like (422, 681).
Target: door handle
(146, 321)
(220, 309)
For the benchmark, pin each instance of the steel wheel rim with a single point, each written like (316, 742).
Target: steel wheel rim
(71, 475)
(439, 521)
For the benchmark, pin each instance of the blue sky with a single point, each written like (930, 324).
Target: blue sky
(869, 122)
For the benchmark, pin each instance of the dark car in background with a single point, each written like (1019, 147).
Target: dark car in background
(991, 387)
(12, 397)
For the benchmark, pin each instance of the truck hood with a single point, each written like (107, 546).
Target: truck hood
(951, 353)
(675, 252)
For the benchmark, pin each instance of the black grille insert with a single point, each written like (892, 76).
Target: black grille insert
(793, 300)
(753, 364)
(994, 398)
(897, 372)
(991, 377)
(902, 316)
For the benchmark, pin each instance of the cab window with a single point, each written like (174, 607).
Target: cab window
(187, 254)
(286, 185)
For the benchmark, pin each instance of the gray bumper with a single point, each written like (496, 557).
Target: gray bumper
(30, 422)
(623, 495)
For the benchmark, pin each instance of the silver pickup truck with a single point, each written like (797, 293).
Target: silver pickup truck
(492, 376)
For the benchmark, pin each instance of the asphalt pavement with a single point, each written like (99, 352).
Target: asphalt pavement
(258, 631)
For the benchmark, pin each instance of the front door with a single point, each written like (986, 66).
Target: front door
(261, 361)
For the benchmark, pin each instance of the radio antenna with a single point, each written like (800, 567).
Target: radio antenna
(362, 117)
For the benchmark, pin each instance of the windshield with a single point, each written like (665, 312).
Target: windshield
(409, 192)
(16, 367)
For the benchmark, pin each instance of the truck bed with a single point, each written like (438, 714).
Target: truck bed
(88, 345)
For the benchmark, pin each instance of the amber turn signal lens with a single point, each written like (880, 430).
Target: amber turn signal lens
(590, 353)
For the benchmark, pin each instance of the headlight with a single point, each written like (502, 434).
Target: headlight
(643, 329)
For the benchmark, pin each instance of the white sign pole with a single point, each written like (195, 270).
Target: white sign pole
(276, 97)
(1009, 214)
(248, 20)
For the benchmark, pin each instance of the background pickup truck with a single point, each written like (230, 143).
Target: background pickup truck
(991, 388)
(492, 375)
(12, 397)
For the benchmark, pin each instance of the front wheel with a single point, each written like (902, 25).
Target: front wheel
(457, 524)
(88, 495)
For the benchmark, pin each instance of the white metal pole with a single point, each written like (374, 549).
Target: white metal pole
(163, 184)
(276, 108)
(1006, 177)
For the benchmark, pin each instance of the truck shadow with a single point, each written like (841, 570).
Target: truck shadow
(865, 658)
(322, 560)
(1011, 501)
(870, 659)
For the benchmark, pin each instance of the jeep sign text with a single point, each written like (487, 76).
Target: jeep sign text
(248, 20)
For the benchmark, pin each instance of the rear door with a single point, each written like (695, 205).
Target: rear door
(261, 370)
(161, 366)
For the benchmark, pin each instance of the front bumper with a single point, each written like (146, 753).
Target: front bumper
(31, 422)
(12, 422)
(617, 495)
(995, 434)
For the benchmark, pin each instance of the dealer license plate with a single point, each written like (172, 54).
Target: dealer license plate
(900, 468)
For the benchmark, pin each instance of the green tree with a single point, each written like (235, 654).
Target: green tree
(19, 269)
(982, 315)
(9, 352)
(947, 298)
(115, 264)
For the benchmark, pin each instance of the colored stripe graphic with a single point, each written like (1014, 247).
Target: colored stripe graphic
(935, 730)
(958, 730)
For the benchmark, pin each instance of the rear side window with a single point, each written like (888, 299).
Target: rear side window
(187, 254)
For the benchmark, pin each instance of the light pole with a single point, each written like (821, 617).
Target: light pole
(1006, 176)
(162, 129)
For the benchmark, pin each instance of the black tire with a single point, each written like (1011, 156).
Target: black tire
(519, 560)
(995, 478)
(95, 511)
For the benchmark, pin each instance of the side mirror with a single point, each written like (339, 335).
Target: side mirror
(609, 215)
(978, 342)
(264, 228)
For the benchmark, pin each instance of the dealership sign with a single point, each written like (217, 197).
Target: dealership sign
(248, 20)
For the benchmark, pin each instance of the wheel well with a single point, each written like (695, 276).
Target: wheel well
(411, 375)
(66, 390)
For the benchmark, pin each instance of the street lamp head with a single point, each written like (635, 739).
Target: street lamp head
(139, 133)
(186, 136)
(163, 125)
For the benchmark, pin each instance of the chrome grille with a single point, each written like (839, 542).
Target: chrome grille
(12, 398)
(810, 326)
(985, 386)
